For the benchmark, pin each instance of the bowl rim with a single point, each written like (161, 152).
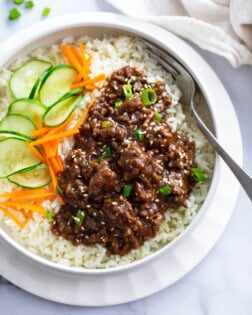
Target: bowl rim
(107, 20)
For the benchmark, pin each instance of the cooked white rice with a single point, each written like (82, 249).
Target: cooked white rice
(109, 54)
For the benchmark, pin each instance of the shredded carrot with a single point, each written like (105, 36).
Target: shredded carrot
(60, 163)
(55, 165)
(62, 127)
(53, 176)
(98, 78)
(84, 114)
(17, 206)
(35, 151)
(75, 52)
(91, 87)
(27, 219)
(60, 135)
(70, 57)
(37, 120)
(78, 78)
(35, 196)
(24, 192)
(40, 132)
(85, 64)
(82, 53)
(79, 60)
(49, 149)
(12, 217)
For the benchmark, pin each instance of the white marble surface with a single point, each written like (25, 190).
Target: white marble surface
(222, 283)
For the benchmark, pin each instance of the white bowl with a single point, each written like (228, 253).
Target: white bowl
(180, 256)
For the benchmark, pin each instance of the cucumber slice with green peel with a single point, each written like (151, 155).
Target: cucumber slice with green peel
(15, 156)
(18, 124)
(12, 134)
(37, 177)
(24, 78)
(56, 83)
(36, 86)
(28, 108)
(59, 112)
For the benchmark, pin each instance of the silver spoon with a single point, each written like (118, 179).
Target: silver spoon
(186, 83)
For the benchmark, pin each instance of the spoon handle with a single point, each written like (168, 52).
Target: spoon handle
(244, 179)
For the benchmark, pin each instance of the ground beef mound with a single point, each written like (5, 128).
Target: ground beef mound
(113, 176)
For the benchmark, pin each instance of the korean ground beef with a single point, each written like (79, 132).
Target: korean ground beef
(126, 167)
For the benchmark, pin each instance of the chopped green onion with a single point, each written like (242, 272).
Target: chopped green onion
(46, 11)
(157, 116)
(198, 175)
(148, 96)
(127, 190)
(29, 4)
(105, 124)
(100, 158)
(118, 103)
(79, 217)
(165, 190)
(14, 14)
(49, 216)
(127, 90)
(107, 151)
(139, 134)
(18, 2)
(59, 190)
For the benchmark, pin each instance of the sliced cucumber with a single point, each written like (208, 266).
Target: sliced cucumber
(18, 124)
(59, 112)
(34, 178)
(56, 83)
(36, 86)
(12, 134)
(15, 156)
(24, 78)
(28, 108)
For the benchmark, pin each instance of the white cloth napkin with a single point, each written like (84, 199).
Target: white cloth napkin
(220, 26)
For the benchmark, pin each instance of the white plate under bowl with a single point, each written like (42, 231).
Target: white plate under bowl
(124, 284)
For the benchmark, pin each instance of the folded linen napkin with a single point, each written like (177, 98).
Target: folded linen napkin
(220, 26)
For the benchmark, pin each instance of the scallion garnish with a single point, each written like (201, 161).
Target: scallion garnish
(49, 216)
(79, 217)
(14, 14)
(29, 4)
(127, 90)
(105, 124)
(139, 134)
(157, 116)
(18, 2)
(127, 190)
(107, 151)
(118, 103)
(198, 175)
(59, 190)
(100, 158)
(46, 11)
(148, 96)
(165, 190)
